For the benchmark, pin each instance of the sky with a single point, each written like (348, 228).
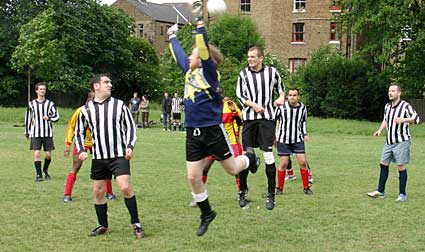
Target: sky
(153, 1)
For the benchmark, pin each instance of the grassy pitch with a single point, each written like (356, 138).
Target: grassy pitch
(339, 216)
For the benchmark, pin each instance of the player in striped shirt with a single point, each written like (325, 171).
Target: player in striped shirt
(176, 109)
(76, 163)
(398, 114)
(114, 137)
(38, 128)
(291, 133)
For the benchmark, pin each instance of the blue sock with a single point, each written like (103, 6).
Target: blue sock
(383, 176)
(402, 179)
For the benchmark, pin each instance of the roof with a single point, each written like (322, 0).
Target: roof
(169, 12)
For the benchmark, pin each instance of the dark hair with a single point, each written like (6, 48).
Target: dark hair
(292, 89)
(397, 85)
(96, 78)
(260, 51)
(40, 84)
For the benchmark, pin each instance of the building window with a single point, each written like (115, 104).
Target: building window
(333, 32)
(299, 5)
(140, 30)
(296, 63)
(166, 37)
(161, 30)
(245, 6)
(298, 32)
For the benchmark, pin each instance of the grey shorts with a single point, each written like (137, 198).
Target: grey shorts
(398, 153)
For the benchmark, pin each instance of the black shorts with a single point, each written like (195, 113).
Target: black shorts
(46, 142)
(284, 149)
(177, 116)
(102, 169)
(258, 134)
(207, 141)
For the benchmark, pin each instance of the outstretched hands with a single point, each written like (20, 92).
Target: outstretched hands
(173, 30)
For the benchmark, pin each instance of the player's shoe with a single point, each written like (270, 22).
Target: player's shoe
(376, 194)
(254, 161)
(310, 179)
(279, 191)
(138, 231)
(205, 222)
(401, 198)
(67, 199)
(270, 202)
(192, 203)
(243, 199)
(47, 176)
(110, 196)
(39, 178)
(290, 177)
(307, 191)
(100, 230)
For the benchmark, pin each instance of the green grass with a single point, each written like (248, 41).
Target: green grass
(338, 217)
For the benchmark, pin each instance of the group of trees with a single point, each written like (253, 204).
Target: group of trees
(65, 42)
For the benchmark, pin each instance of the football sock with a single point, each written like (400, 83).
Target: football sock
(280, 179)
(205, 207)
(108, 186)
(243, 178)
(70, 180)
(271, 177)
(290, 171)
(304, 177)
(204, 179)
(37, 165)
(289, 168)
(131, 205)
(402, 179)
(102, 214)
(46, 164)
(238, 183)
(383, 176)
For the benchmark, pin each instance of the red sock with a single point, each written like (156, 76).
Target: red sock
(70, 180)
(280, 179)
(290, 172)
(238, 183)
(304, 177)
(108, 186)
(204, 179)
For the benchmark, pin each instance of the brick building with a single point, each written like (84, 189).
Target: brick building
(152, 20)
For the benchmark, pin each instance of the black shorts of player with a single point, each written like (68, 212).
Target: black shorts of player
(102, 169)
(177, 116)
(46, 142)
(207, 141)
(284, 149)
(258, 134)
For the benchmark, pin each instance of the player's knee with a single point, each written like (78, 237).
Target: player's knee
(268, 157)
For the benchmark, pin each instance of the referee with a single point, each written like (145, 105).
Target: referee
(398, 114)
(114, 136)
(38, 128)
(255, 88)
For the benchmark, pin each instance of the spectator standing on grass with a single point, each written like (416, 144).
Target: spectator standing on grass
(398, 114)
(38, 128)
(176, 108)
(134, 107)
(144, 109)
(166, 111)
(114, 136)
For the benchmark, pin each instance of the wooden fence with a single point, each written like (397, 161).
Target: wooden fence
(419, 105)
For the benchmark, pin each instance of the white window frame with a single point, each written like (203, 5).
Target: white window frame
(244, 5)
(301, 3)
(140, 30)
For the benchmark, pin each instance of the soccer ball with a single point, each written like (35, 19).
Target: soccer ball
(216, 7)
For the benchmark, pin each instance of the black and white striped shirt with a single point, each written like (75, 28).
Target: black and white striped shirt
(111, 125)
(397, 133)
(258, 87)
(176, 105)
(35, 125)
(291, 123)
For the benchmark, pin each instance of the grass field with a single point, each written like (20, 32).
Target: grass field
(338, 217)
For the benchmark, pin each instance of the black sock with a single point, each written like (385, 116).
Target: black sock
(402, 179)
(383, 176)
(205, 207)
(243, 177)
(131, 205)
(271, 177)
(102, 214)
(46, 165)
(37, 165)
